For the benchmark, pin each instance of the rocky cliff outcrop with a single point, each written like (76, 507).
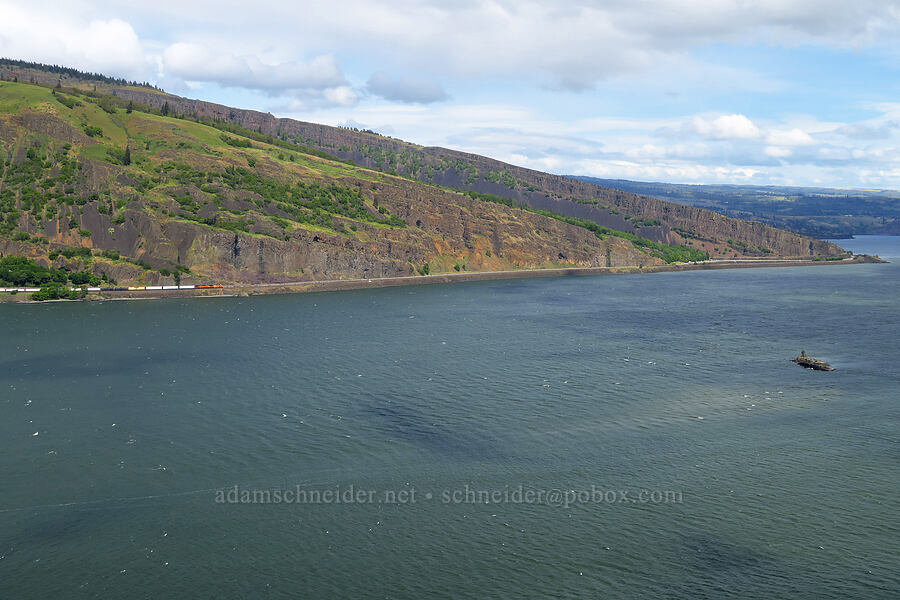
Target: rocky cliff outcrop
(605, 206)
(246, 210)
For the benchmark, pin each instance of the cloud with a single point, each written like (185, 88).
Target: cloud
(792, 137)
(395, 64)
(567, 44)
(727, 147)
(342, 95)
(726, 127)
(778, 152)
(110, 46)
(571, 44)
(195, 62)
(406, 89)
(862, 131)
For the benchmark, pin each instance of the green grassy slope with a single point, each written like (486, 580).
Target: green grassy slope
(79, 168)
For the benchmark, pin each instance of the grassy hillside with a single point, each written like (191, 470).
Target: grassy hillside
(612, 209)
(609, 208)
(93, 182)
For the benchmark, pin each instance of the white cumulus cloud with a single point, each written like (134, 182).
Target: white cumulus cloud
(791, 137)
(110, 46)
(196, 62)
(726, 127)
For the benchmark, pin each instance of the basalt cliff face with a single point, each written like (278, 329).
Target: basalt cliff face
(107, 175)
(190, 199)
(609, 207)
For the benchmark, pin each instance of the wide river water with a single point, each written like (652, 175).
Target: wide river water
(577, 437)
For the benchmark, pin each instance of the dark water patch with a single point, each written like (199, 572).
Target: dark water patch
(414, 427)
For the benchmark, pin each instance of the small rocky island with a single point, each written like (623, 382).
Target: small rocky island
(808, 362)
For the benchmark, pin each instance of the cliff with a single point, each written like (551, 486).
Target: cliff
(191, 199)
(605, 206)
(240, 195)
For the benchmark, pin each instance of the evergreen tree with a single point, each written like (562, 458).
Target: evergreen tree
(126, 160)
(130, 107)
(165, 109)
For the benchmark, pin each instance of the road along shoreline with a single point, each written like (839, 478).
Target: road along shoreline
(333, 285)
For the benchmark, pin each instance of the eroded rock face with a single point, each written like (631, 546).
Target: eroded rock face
(445, 230)
(451, 228)
(49, 125)
(550, 192)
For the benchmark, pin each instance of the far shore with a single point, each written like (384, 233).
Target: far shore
(333, 285)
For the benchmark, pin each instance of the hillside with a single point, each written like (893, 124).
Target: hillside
(137, 185)
(818, 212)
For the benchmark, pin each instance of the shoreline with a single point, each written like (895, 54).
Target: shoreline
(334, 285)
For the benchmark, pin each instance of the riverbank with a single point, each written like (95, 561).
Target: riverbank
(333, 285)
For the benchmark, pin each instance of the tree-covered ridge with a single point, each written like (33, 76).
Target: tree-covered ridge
(70, 72)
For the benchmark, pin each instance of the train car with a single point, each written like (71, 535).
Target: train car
(93, 289)
(208, 286)
(170, 287)
(133, 288)
(185, 287)
(153, 287)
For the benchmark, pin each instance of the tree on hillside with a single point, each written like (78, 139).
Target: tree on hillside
(129, 108)
(126, 159)
(165, 109)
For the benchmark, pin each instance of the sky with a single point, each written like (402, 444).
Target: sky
(781, 92)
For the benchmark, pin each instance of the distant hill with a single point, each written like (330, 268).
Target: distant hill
(142, 185)
(817, 212)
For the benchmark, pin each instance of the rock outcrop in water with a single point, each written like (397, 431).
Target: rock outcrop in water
(809, 362)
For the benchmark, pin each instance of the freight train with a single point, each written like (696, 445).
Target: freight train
(131, 288)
